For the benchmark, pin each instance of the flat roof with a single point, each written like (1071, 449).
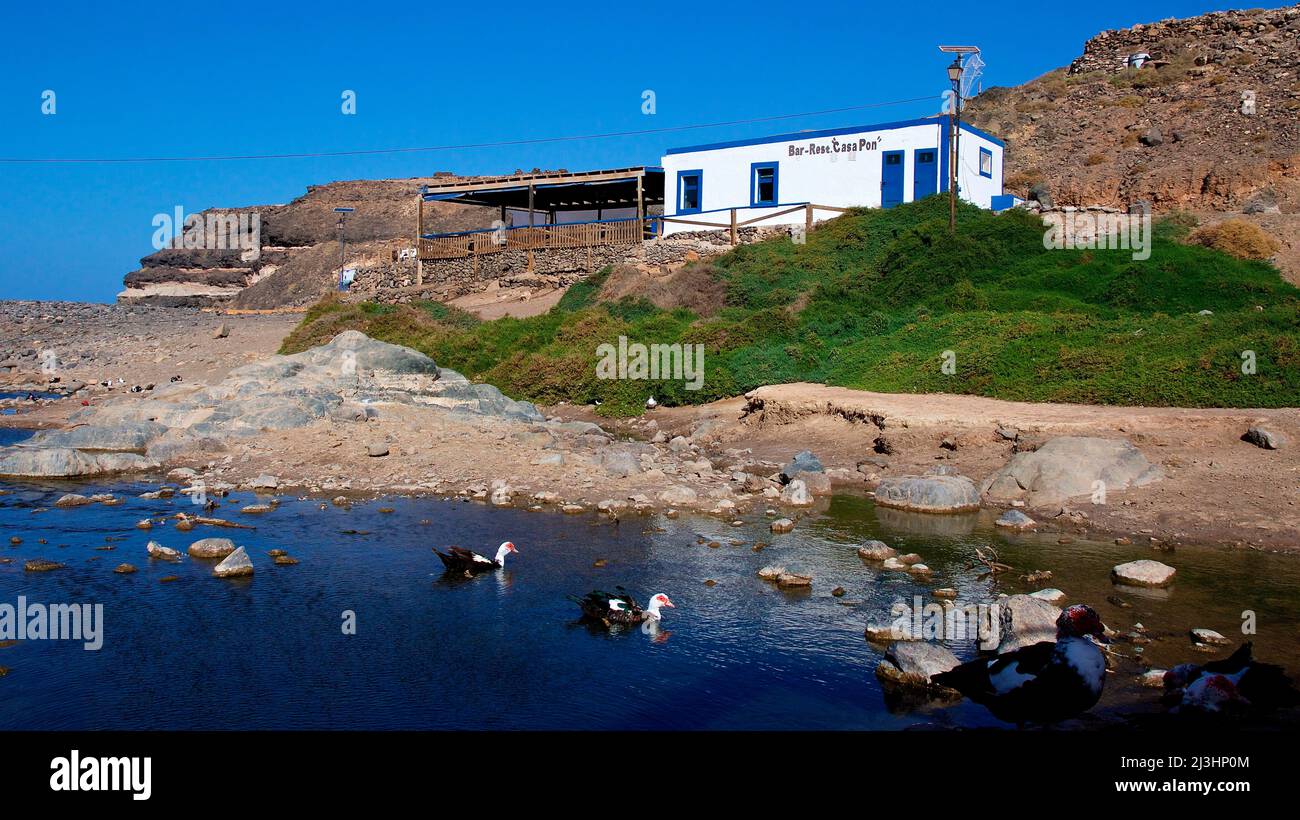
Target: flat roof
(580, 190)
(833, 132)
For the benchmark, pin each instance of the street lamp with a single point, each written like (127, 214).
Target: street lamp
(954, 120)
(342, 212)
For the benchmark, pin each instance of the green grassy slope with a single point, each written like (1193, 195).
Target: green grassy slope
(874, 299)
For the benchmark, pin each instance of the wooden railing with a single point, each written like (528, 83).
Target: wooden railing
(590, 234)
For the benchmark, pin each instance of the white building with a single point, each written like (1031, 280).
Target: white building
(871, 166)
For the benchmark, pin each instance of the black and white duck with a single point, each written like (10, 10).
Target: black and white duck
(459, 559)
(619, 607)
(1045, 682)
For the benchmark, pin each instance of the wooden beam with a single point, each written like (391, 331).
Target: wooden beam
(419, 238)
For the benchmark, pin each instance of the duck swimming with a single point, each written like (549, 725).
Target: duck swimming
(459, 559)
(619, 607)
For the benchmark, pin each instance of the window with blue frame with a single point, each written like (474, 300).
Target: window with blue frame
(690, 192)
(986, 163)
(762, 183)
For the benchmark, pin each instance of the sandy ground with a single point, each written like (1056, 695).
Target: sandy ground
(1218, 489)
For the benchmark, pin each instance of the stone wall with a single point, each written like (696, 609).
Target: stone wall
(551, 267)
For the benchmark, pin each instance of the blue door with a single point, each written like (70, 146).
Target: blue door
(891, 179)
(925, 173)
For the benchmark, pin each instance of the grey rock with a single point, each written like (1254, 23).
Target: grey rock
(162, 553)
(1264, 439)
(1143, 573)
(796, 494)
(1014, 519)
(211, 548)
(678, 494)
(803, 462)
(621, 463)
(913, 663)
(931, 494)
(876, 551)
(234, 565)
(1024, 620)
(1069, 467)
(377, 450)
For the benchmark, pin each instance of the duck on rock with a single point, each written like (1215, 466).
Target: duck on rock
(1046, 682)
(459, 559)
(619, 607)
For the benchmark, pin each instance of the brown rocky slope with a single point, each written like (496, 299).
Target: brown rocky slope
(1173, 132)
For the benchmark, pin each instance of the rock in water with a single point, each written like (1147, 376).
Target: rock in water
(793, 580)
(1143, 573)
(1210, 637)
(234, 565)
(913, 663)
(72, 500)
(1015, 520)
(162, 553)
(876, 551)
(1070, 467)
(796, 494)
(782, 525)
(931, 494)
(124, 569)
(211, 548)
(41, 565)
(1024, 620)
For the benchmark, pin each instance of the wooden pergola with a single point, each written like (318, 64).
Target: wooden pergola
(549, 196)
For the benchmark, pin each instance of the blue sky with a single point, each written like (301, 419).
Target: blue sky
(175, 79)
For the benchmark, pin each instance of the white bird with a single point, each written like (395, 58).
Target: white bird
(650, 403)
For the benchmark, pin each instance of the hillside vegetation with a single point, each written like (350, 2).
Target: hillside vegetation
(876, 298)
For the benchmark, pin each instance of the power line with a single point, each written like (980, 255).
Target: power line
(459, 147)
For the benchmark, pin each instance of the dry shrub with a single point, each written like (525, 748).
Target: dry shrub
(696, 287)
(1238, 238)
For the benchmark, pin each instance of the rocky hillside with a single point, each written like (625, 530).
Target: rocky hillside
(1173, 132)
(300, 251)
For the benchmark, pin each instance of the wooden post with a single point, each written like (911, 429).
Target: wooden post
(531, 189)
(808, 219)
(640, 206)
(733, 226)
(419, 238)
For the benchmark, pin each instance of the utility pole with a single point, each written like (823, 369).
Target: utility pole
(343, 212)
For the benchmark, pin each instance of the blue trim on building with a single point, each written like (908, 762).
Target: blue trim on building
(986, 135)
(984, 152)
(1003, 202)
(754, 168)
(698, 173)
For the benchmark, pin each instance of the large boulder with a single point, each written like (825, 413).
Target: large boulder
(62, 462)
(1070, 467)
(211, 548)
(929, 494)
(283, 392)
